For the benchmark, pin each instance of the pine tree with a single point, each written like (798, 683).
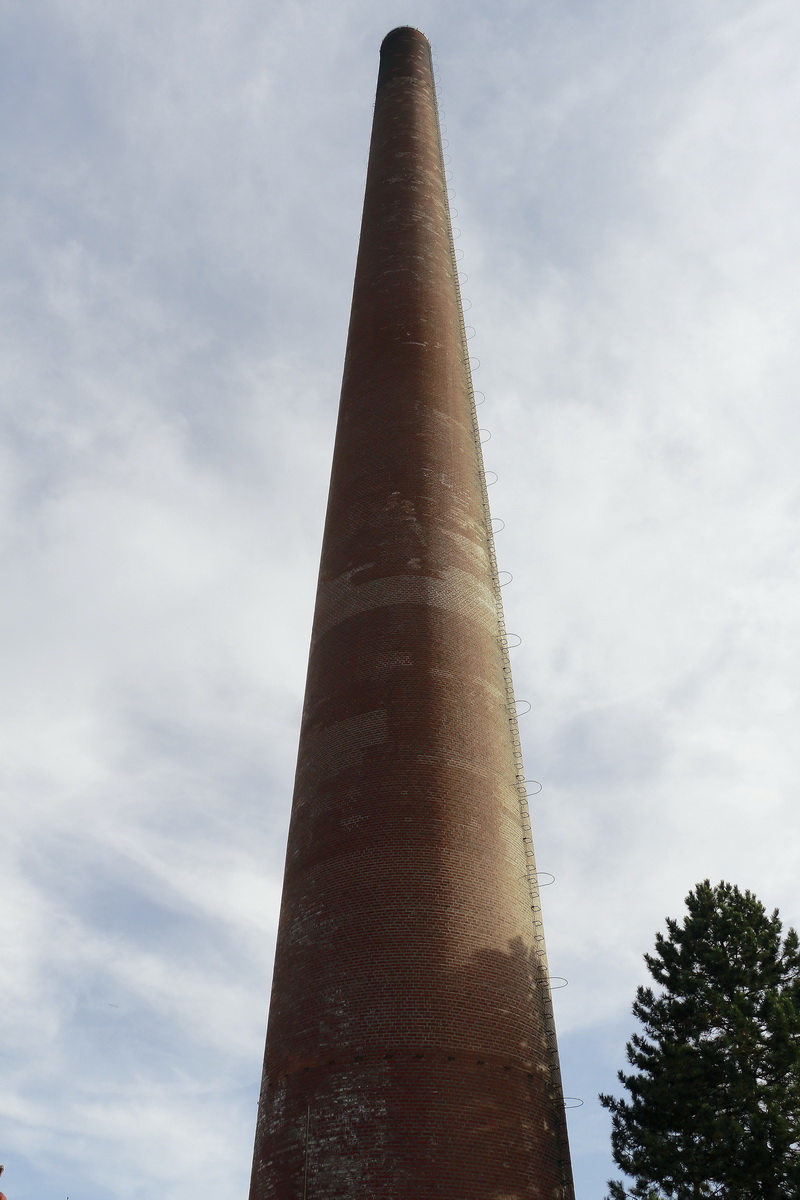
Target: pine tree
(714, 1101)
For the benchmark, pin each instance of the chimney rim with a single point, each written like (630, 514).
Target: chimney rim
(405, 29)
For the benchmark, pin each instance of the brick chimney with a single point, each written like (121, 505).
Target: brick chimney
(410, 1049)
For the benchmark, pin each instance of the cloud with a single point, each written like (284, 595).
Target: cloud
(179, 240)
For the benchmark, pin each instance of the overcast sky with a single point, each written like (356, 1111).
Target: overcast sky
(183, 190)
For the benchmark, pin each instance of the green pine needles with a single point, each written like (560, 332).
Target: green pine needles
(714, 1098)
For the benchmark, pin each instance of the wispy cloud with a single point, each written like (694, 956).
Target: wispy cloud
(179, 240)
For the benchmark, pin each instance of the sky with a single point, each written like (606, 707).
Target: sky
(181, 195)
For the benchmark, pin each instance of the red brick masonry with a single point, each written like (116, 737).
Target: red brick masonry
(407, 1054)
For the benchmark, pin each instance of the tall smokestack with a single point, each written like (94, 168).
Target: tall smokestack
(411, 1049)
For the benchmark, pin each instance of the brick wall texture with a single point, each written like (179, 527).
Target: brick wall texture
(408, 1050)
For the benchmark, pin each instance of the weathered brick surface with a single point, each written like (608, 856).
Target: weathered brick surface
(407, 1054)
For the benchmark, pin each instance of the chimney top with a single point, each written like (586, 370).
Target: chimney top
(404, 31)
